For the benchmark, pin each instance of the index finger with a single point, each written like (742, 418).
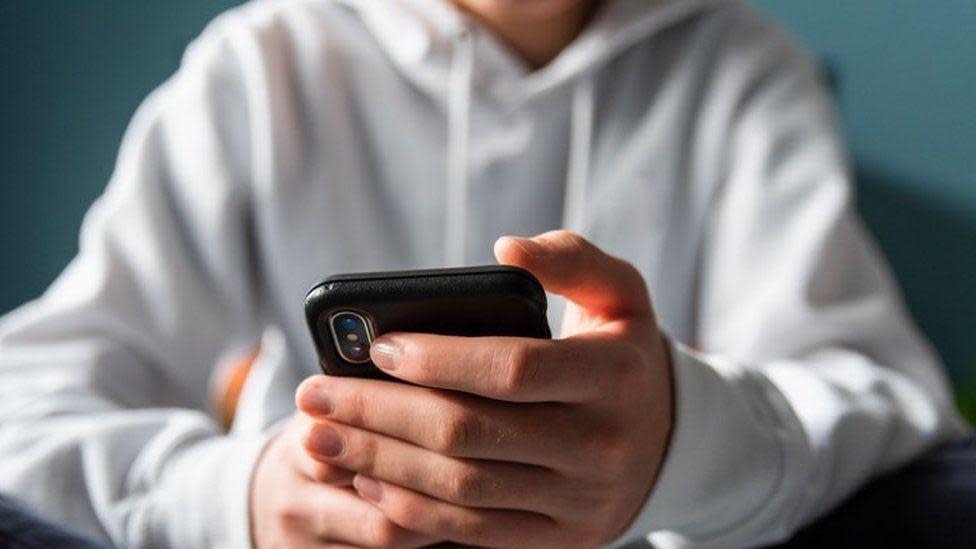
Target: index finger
(507, 368)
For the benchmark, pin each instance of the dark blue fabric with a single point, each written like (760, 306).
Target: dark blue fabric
(21, 529)
(930, 503)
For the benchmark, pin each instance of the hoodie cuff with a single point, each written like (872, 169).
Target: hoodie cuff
(205, 499)
(726, 458)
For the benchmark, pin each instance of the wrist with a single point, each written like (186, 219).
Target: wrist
(205, 493)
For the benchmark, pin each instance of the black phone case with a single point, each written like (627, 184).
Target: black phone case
(471, 301)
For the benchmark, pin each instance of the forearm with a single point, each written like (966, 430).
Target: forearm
(760, 450)
(135, 477)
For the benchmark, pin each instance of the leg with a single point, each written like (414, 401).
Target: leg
(930, 503)
(20, 529)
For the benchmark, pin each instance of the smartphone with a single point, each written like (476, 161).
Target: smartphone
(345, 313)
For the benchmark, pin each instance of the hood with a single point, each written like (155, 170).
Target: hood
(422, 37)
(447, 55)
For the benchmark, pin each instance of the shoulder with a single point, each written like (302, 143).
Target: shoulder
(276, 32)
(749, 42)
(728, 30)
(275, 56)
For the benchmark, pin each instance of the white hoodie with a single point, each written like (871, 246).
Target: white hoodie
(302, 138)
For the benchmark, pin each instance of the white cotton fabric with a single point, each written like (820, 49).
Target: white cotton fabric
(303, 138)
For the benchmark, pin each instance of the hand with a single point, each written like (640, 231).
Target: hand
(296, 501)
(511, 441)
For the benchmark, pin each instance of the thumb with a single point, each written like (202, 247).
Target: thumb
(571, 266)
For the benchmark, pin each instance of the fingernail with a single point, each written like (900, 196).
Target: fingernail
(317, 401)
(326, 442)
(368, 488)
(384, 353)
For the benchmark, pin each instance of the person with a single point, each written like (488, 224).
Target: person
(734, 359)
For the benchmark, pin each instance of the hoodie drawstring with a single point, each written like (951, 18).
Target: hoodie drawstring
(460, 89)
(459, 121)
(580, 143)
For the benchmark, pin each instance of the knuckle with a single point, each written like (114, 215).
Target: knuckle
(384, 533)
(414, 357)
(518, 370)
(287, 513)
(627, 358)
(322, 472)
(591, 451)
(467, 486)
(576, 533)
(574, 240)
(590, 537)
(458, 429)
(633, 356)
(477, 527)
(616, 456)
(602, 451)
(629, 270)
(626, 367)
(357, 407)
(577, 248)
(409, 514)
(367, 449)
(306, 435)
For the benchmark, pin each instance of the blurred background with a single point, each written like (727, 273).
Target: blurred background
(904, 73)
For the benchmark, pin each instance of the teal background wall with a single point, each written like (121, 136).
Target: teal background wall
(71, 76)
(72, 73)
(904, 72)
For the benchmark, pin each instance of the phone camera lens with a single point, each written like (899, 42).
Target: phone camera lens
(352, 335)
(358, 352)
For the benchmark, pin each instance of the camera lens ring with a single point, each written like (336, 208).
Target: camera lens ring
(352, 335)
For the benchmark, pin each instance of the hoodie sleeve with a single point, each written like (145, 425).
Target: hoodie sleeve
(104, 379)
(809, 378)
